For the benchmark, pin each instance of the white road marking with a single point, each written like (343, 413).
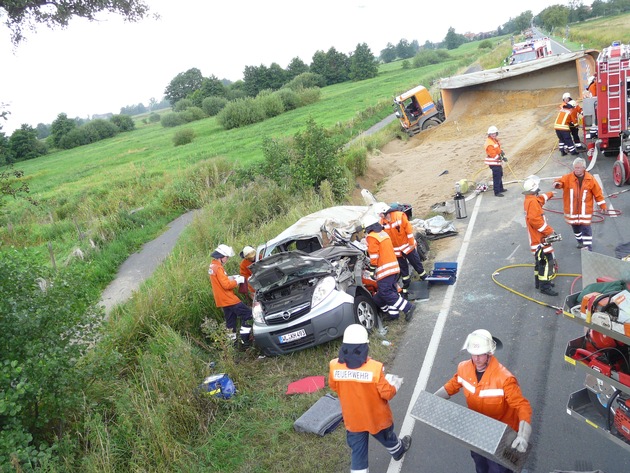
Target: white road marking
(429, 358)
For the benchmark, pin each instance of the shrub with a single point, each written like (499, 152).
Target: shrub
(430, 56)
(309, 96)
(290, 99)
(213, 105)
(355, 159)
(406, 64)
(192, 114)
(485, 44)
(154, 117)
(123, 122)
(306, 80)
(172, 119)
(74, 138)
(241, 112)
(271, 104)
(183, 137)
(100, 129)
(182, 105)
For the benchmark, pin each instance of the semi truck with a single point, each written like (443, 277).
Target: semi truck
(416, 110)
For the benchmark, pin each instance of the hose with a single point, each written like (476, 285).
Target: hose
(514, 291)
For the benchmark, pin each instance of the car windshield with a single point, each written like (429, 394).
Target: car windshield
(285, 268)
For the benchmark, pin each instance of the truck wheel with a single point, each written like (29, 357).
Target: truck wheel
(619, 173)
(430, 123)
(365, 312)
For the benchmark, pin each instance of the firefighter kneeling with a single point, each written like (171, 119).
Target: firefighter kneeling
(541, 235)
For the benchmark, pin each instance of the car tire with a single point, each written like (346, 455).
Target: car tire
(365, 311)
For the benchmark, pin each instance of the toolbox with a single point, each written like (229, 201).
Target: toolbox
(443, 272)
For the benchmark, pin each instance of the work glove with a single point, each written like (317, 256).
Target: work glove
(522, 438)
(502, 157)
(557, 185)
(442, 393)
(372, 271)
(239, 279)
(394, 380)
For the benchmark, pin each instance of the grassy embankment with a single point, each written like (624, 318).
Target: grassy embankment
(140, 412)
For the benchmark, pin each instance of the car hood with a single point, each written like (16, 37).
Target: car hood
(285, 268)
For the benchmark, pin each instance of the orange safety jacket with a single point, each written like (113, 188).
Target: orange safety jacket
(364, 394)
(222, 286)
(578, 199)
(563, 119)
(400, 231)
(574, 115)
(246, 272)
(382, 255)
(496, 395)
(536, 221)
(493, 151)
(592, 88)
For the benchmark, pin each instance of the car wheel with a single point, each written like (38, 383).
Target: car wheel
(365, 312)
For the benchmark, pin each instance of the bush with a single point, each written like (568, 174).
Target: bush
(290, 99)
(213, 105)
(172, 119)
(183, 137)
(241, 112)
(485, 44)
(123, 122)
(406, 64)
(306, 80)
(182, 105)
(74, 138)
(154, 117)
(430, 56)
(192, 114)
(270, 103)
(355, 159)
(309, 96)
(100, 129)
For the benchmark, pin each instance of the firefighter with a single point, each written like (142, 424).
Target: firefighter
(592, 87)
(574, 124)
(579, 191)
(397, 226)
(385, 270)
(223, 291)
(562, 126)
(492, 390)
(248, 255)
(494, 157)
(364, 392)
(538, 230)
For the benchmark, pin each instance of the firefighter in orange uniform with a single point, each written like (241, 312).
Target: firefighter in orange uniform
(397, 226)
(491, 390)
(223, 291)
(574, 124)
(579, 191)
(248, 255)
(494, 157)
(384, 269)
(364, 392)
(562, 126)
(538, 230)
(592, 86)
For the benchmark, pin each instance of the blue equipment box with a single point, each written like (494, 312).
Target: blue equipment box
(443, 272)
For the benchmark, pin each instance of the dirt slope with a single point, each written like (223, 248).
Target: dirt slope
(410, 171)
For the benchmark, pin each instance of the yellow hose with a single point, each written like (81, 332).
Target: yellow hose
(525, 265)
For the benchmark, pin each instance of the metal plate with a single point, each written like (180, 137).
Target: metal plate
(482, 434)
(595, 265)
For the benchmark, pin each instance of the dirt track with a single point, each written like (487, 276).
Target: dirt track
(410, 171)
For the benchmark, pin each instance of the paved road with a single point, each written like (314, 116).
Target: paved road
(534, 336)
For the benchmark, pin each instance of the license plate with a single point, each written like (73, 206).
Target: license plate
(289, 337)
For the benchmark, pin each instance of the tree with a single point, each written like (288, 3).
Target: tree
(388, 54)
(60, 127)
(23, 144)
(295, 68)
(338, 67)
(276, 76)
(43, 131)
(255, 79)
(24, 15)
(363, 64)
(183, 84)
(554, 16)
(453, 40)
(319, 63)
(404, 50)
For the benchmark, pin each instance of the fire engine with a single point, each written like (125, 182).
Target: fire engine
(607, 115)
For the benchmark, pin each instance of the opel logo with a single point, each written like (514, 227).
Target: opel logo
(286, 315)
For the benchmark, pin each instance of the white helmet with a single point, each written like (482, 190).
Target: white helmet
(248, 252)
(493, 129)
(591, 79)
(573, 103)
(566, 96)
(225, 250)
(531, 183)
(380, 208)
(480, 342)
(370, 219)
(355, 334)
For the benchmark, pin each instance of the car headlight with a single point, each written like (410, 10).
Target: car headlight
(257, 313)
(322, 290)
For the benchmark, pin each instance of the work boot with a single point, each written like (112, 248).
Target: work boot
(409, 313)
(406, 445)
(498, 195)
(548, 291)
(580, 245)
(536, 282)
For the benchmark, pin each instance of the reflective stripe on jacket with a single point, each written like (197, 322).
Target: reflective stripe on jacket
(493, 150)
(400, 231)
(222, 286)
(496, 395)
(562, 120)
(382, 256)
(364, 394)
(537, 226)
(578, 199)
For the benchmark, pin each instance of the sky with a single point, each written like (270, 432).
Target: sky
(98, 67)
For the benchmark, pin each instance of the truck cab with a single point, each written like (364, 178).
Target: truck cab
(416, 110)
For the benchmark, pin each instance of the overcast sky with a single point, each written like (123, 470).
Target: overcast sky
(99, 67)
